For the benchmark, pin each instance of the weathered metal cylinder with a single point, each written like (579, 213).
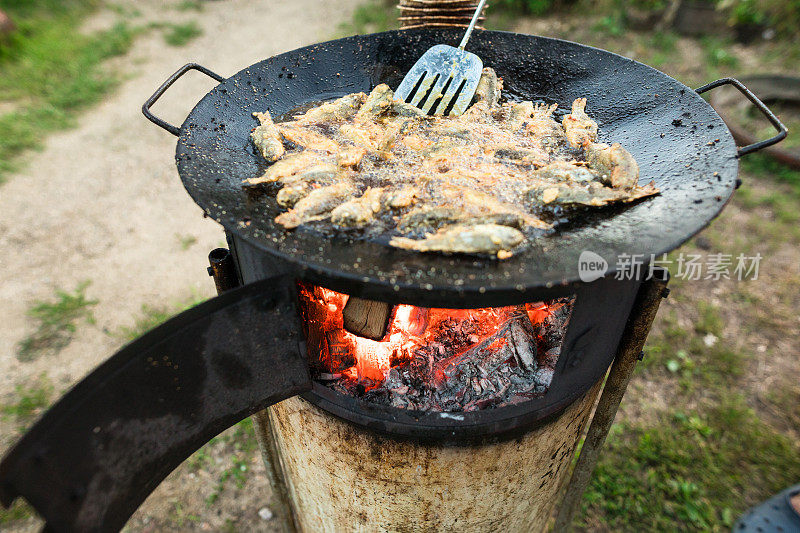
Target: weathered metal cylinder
(344, 478)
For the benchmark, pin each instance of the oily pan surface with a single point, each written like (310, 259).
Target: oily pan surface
(675, 136)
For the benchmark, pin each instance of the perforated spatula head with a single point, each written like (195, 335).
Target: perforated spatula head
(443, 81)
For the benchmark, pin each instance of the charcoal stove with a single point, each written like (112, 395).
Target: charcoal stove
(353, 464)
(341, 461)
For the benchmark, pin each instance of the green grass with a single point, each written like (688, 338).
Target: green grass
(180, 517)
(709, 319)
(29, 402)
(244, 445)
(718, 53)
(692, 471)
(674, 353)
(152, 316)
(56, 322)
(708, 456)
(181, 34)
(18, 512)
(49, 72)
(371, 16)
(186, 241)
(190, 5)
(532, 7)
(762, 166)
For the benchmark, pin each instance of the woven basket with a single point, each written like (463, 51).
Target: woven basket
(438, 13)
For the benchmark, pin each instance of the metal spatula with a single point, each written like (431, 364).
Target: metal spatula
(444, 79)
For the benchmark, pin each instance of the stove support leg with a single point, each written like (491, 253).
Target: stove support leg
(651, 292)
(223, 270)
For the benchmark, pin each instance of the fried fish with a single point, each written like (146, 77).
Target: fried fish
(483, 182)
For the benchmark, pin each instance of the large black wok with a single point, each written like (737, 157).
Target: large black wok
(95, 456)
(677, 138)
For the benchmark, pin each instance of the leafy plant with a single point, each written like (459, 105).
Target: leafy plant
(612, 24)
(186, 241)
(649, 5)
(747, 12)
(718, 54)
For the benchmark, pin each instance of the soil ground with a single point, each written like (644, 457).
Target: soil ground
(103, 203)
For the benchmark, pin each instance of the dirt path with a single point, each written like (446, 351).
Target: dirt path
(103, 202)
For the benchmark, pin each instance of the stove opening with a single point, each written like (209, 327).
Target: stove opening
(432, 359)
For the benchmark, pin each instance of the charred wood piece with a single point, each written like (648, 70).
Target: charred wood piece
(366, 318)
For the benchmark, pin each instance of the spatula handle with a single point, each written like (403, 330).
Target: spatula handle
(472, 25)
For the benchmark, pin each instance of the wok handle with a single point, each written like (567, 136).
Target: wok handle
(775, 121)
(93, 458)
(166, 85)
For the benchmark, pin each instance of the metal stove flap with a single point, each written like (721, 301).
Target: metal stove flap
(96, 455)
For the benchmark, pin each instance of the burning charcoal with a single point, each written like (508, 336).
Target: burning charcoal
(440, 360)
(399, 401)
(524, 349)
(518, 382)
(393, 379)
(476, 385)
(483, 403)
(550, 357)
(341, 351)
(543, 376)
(504, 385)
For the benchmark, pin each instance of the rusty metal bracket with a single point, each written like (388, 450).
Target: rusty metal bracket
(640, 320)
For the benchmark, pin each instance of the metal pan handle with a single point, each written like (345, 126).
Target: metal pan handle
(90, 460)
(775, 121)
(166, 85)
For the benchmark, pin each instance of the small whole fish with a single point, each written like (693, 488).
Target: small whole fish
(578, 127)
(339, 110)
(478, 183)
(617, 166)
(358, 212)
(317, 205)
(480, 238)
(267, 138)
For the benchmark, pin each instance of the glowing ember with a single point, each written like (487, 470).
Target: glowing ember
(442, 359)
